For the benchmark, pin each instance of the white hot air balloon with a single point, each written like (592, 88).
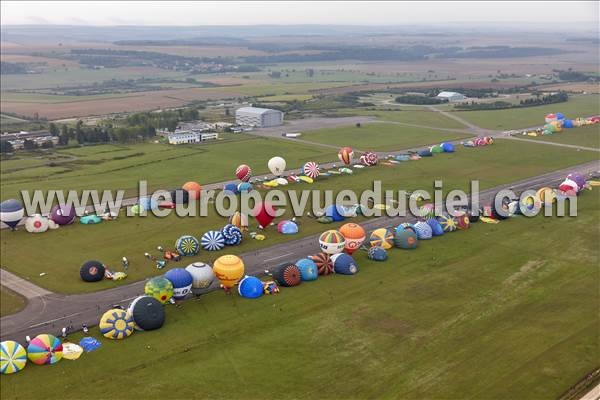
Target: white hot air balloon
(276, 165)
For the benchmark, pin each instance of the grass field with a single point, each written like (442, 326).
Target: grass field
(381, 137)
(577, 106)
(495, 312)
(505, 161)
(410, 115)
(10, 302)
(587, 136)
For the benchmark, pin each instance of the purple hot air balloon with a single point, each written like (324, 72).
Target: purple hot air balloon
(578, 179)
(62, 214)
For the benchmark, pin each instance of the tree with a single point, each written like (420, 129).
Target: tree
(358, 125)
(79, 133)
(48, 144)
(54, 131)
(29, 144)
(6, 147)
(63, 139)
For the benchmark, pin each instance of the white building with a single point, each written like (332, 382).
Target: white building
(188, 137)
(451, 96)
(259, 117)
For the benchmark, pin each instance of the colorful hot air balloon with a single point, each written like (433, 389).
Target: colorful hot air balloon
(323, 263)
(240, 220)
(568, 187)
(36, 224)
(13, 357)
(463, 222)
(381, 237)
(243, 173)
(448, 222)
(406, 239)
(287, 227)
(276, 165)
(344, 264)
(11, 213)
(549, 118)
(311, 169)
(332, 242)
(182, 282)
(406, 226)
(160, 288)
(213, 241)
(354, 235)
(147, 313)
(62, 214)
(92, 271)
(578, 179)
(369, 159)
(202, 277)
(228, 269)
(345, 155)
(187, 245)
(44, 349)
(308, 269)
(287, 274)
(194, 189)
(264, 213)
(377, 253)
(250, 287)
(116, 324)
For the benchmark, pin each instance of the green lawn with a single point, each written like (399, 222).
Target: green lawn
(505, 161)
(10, 302)
(587, 136)
(495, 312)
(519, 118)
(410, 115)
(381, 136)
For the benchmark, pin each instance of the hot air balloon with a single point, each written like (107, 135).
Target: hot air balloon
(92, 271)
(332, 242)
(406, 239)
(213, 241)
(182, 282)
(276, 165)
(250, 287)
(344, 264)
(377, 253)
(568, 187)
(423, 230)
(369, 159)
(381, 237)
(264, 213)
(463, 222)
(71, 351)
(436, 149)
(232, 235)
(62, 214)
(13, 357)
(345, 155)
(333, 211)
(194, 189)
(187, 245)
(231, 188)
(323, 263)
(448, 222)
(228, 269)
(308, 269)
(159, 288)
(44, 349)
(240, 220)
(447, 147)
(36, 224)
(311, 169)
(202, 277)
(148, 203)
(180, 196)
(354, 235)
(244, 187)
(549, 118)
(287, 274)
(116, 324)
(287, 227)
(427, 211)
(147, 313)
(436, 228)
(425, 153)
(11, 213)
(243, 173)
(406, 226)
(578, 179)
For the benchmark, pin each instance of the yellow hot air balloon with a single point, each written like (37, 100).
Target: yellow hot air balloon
(229, 269)
(546, 195)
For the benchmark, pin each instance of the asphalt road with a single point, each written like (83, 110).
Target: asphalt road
(48, 313)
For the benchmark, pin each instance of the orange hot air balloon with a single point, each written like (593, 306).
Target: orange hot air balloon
(193, 189)
(345, 155)
(355, 236)
(228, 269)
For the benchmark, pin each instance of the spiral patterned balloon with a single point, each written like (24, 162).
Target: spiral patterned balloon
(369, 159)
(232, 235)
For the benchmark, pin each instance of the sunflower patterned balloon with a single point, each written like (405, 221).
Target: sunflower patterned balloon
(13, 357)
(448, 222)
(116, 324)
(187, 245)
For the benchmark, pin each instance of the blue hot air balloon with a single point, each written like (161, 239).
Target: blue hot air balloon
(436, 227)
(250, 287)
(182, 282)
(447, 147)
(148, 203)
(231, 188)
(333, 212)
(377, 253)
(308, 269)
(11, 213)
(344, 264)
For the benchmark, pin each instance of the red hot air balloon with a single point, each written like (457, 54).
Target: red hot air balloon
(264, 213)
(345, 155)
(243, 173)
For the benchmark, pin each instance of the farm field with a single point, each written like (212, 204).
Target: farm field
(381, 136)
(587, 136)
(418, 316)
(577, 106)
(505, 161)
(415, 115)
(10, 302)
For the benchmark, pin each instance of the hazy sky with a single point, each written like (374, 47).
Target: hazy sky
(252, 13)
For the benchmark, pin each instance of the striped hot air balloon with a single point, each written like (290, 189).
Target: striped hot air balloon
(332, 242)
(44, 349)
(345, 155)
(381, 237)
(323, 263)
(311, 169)
(187, 245)
(13, 357)
(213, 241)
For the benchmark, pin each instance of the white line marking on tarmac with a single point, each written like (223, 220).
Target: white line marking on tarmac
(281, 256)
(55, 319)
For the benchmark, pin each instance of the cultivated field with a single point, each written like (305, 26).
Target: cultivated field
(498, 311)
(505, 161)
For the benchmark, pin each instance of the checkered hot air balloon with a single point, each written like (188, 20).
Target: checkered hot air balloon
(213, 241)
(187, 245)
(345, 155)
(369, 159)
(13, 357)
(311, 169)
(44, 349)
(116, 324)
(243, 173)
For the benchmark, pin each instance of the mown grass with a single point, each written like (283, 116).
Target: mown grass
(60, 253)
(498, 311)
(410, 115)
(10, 302)
(586, 136)
(381, 136)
